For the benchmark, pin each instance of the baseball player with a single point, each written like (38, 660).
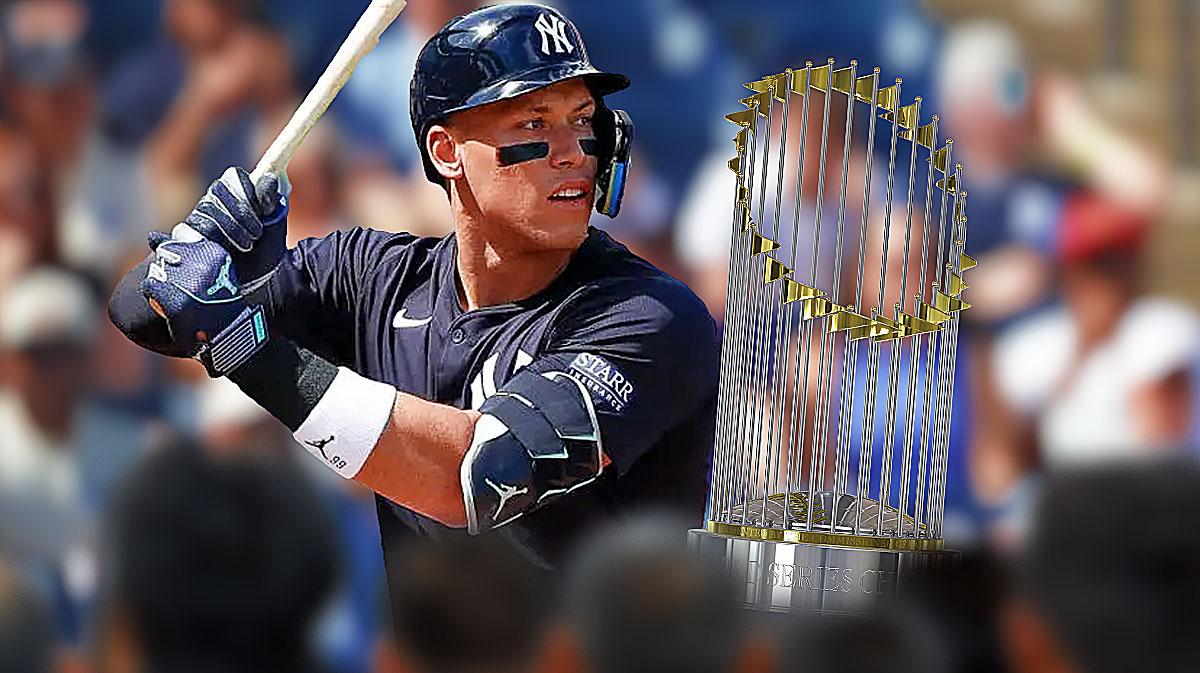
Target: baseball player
(526, 373)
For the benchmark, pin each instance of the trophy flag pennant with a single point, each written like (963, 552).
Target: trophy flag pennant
(840, 79)
(939, 156)
(930, 313)
(955, 285)
(865, 85)
(926, 134)
(817, 307)
(847, 319)
(774, 269)
(915, 325)
(744, 117)
(739, 140)
(948, 304)
(819, 79)
(886, 98)
(800, 79)
(793, 291)
(760, 244)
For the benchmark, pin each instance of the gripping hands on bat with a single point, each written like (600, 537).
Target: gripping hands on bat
(193, 283)
(244, 214)
(248, 220)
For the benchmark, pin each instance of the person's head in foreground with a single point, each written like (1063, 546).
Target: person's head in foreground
(213, 564)
(1110, 577)
(466, 604)
(637, 601)
(510, 118)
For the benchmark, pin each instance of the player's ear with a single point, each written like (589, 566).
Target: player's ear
(443, 152)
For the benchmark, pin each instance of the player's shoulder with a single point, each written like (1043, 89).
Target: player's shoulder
(616, 285)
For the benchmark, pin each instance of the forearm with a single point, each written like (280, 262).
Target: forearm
(407, 449)
(417, 459)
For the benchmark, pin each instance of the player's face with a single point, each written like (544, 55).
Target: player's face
(540, 203)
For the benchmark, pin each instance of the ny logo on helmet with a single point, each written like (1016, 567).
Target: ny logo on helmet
(553, 28)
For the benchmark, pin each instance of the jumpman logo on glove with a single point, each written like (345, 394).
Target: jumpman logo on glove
(223, 281)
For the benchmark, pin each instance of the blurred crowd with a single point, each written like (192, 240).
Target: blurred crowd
(142, 503)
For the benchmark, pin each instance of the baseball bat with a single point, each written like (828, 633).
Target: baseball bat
(362, 39)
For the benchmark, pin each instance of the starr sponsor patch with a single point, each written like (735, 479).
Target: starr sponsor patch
(603, 379)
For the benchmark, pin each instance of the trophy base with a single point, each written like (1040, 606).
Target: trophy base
(784, 576)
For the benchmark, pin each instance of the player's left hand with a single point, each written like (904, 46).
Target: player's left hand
(248, 220)
(194, 287)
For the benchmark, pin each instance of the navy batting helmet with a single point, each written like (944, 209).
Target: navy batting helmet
(501, 52)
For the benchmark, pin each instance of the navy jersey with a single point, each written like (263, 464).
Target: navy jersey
(387, 306)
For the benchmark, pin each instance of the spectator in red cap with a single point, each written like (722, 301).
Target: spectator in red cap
(1108, 372)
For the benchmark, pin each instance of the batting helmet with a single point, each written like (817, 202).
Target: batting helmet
(501, 52)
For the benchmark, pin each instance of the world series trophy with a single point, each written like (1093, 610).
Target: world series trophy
(828, 477)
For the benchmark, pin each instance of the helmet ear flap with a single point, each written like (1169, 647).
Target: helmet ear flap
(614, 140)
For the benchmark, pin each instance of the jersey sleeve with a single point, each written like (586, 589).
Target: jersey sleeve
(647, 353)
(314, 295)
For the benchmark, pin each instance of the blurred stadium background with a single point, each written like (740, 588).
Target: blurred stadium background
(1076, 121)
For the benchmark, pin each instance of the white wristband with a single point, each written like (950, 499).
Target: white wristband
(344, 427)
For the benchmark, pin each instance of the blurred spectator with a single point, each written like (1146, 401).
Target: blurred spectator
(47, 90)
(466, 605)
(683, 73)
(317, 206)
(644, 223)
(987, 103)
(197, 98)
(213, 564)
(1107, 374)
(62, 452)
(373, 106)
(27, 235)
(26, 630)
(636, 601)
(88, 193)
(1108, 574)
(44, 108)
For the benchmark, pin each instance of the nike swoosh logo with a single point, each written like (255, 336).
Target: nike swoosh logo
(401, 320)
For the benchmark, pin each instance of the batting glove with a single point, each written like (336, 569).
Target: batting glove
(194, 287)
(249, 222)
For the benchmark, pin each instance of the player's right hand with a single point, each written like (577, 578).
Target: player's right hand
(193, 286)
(248, 221)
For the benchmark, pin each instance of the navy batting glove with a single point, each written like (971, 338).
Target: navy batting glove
(248, 221)
(194, 286)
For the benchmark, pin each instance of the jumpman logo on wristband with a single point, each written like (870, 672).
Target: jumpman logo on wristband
(319, 445)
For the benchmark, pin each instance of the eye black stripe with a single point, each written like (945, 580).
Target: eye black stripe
(515, 154)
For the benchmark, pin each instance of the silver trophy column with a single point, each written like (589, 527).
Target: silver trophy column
(804, 512)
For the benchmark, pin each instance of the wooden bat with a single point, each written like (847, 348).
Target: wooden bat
(362, 39)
